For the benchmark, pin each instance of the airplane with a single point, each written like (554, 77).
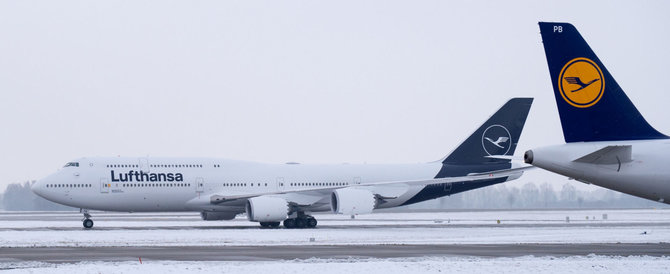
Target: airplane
(269, 194)
(608, 142)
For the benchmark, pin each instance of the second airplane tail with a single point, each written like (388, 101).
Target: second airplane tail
(496, 138)
(591, 105)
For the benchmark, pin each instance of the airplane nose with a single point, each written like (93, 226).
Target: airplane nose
(38, 187)
(35, 186)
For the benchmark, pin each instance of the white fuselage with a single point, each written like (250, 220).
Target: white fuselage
(647, 175)
(186, 184)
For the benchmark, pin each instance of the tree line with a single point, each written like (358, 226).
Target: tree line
(19, 197)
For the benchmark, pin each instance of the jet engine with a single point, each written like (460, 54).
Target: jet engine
(528, 157)
(215, 216)
(267, 209)
(351, 201)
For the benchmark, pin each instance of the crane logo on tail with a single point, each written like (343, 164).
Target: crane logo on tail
(581, 83)
(496, 140)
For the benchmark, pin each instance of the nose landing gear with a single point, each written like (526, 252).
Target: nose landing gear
(87, 222)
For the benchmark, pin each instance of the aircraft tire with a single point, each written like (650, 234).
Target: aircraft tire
(289, 223)
(88, 223)
(311, 222)
(300, 223)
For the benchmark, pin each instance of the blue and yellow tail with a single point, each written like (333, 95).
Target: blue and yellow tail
(591, 104)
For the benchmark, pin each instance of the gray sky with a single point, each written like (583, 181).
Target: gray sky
(306, 81)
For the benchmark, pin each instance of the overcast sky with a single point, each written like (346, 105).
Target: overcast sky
(305, 81)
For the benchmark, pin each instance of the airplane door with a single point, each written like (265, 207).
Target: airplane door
(104, 185)
(280, 183)
(357, 180)
(199, 185)
(144, 165)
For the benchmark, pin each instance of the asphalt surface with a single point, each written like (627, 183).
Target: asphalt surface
(348, 227)
(264, 253)
(290, 252)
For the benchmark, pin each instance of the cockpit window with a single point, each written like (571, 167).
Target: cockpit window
(75, 164)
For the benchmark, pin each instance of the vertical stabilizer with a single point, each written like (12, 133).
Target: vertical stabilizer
(498, 136)
(591, 104)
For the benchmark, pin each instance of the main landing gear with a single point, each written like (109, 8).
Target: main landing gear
(88, 223)
(302, 221)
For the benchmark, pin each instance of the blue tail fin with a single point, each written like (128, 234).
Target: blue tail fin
(591, 104)
(498, 136)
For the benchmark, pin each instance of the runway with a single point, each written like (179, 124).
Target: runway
(263, 253)
(57, 237)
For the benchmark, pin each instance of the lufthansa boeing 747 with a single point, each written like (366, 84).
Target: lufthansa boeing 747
(270, 194)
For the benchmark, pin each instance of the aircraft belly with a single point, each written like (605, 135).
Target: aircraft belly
(130, 202)
(645, 176)
(440, 190)
(402, 199)
(635, 181)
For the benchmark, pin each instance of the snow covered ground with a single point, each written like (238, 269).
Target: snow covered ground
(40, 229)
(519, 265)
(176, 229)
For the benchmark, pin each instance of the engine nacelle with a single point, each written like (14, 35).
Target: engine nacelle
(352, 201)
(267, 209)
(215, 216)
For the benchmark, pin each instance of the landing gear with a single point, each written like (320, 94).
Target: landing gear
(88, 223)
(302, 221)
(269, 224)
(311, 222)
(289, 223)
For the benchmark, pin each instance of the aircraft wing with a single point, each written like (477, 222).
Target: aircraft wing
(320, 191)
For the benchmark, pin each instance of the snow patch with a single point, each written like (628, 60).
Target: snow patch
(518, 265)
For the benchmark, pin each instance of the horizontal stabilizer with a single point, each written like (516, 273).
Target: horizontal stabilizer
(608, 155)
(512, 158)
